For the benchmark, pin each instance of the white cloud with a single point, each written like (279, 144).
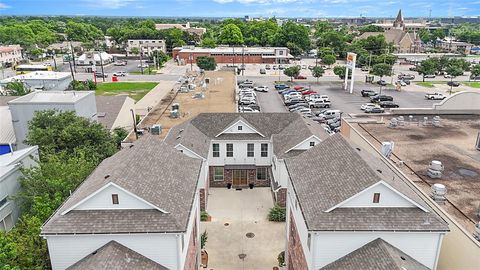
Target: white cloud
(3, 6)
(109, 4)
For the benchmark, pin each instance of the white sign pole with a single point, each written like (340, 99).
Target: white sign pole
(351, 62)
(352, 80)
(345, 85)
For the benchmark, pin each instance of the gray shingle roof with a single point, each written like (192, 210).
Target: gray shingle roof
(110, 106)
(336, 170)
(115, 256)
(153, 171)
(376, 255)
(286, 129)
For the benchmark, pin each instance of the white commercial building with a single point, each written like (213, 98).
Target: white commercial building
(90, 58)
(41, 80)
(146, 46)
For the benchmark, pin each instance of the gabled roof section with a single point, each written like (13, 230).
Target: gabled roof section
(189, 137)
(151, 170)
(108, 108)
(240, 121)
(376, 255)
(115, 256)
(335, 170)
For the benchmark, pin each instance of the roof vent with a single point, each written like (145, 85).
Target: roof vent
(107, 176)
(179, 137)
(131, 145)
(438, 193)
(380, 171)
(435, 169)
(358, 149)
(403, 258)
(180, 131)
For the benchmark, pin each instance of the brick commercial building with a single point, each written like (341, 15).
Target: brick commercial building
(234, 55)
(10, 55)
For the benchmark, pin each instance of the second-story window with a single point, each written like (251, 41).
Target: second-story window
(264, 150)
(216, 150)
(229, 149)
(250, 150)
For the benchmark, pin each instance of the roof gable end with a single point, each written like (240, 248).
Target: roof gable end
(240, 126)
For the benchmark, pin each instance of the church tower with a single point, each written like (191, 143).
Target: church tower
(399, 23)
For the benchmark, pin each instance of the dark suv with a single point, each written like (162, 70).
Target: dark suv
(367, 93)
(379, 98)
(388, 104)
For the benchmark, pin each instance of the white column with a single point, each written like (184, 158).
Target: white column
(352, 80)
(346, 79)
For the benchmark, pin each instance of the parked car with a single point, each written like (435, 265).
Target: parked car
(298, 87)
(402, 83)
(144, 65)
(431, 76)
(101, 75)
(267, 67)
(454, 84)
(388, 104)
(246, 109)
(435, 96)
(281, 67)
(247, 84)
(379, 98)
(304, 111)
(329, 114)
(281, 86)
(300, 77)
(317, 97)
(255, 107)
(263, 71)
(413, 69)
(261, 88)
(274, 67)
(239, 82)
(120, 63)
(447, 76)
(247, 101)
(365, 68)
(368, 93)
(309, 92)
(292, 101)
(292, 95)
(287, 91)
(375, 110)
(120, 73)
(310, 67)
(407, 82)
(406, 76)
(367, 105)
(382, 82)
(320, 104)
(304, 66)
(294, 106)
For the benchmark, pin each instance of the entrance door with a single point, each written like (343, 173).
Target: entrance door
(239, 178)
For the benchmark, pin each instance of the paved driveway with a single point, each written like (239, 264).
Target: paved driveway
(245, 212)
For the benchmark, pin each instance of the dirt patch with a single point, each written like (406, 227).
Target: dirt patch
(416, 137)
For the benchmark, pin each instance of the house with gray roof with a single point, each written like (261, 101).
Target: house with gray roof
(145, 199)
(245, 150)
(341, 198)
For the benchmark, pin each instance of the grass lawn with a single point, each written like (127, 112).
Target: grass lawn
(135, 90)
(472, 84)
(426, 84)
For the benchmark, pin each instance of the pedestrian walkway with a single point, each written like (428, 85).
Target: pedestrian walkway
(152, 98)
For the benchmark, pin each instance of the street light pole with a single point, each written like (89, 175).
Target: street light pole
(101, 65)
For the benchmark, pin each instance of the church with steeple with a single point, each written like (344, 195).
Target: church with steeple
(403, 34)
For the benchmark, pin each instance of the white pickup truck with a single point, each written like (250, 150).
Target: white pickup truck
(435, 96)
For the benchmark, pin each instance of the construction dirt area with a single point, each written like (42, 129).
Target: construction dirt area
(453, 143)
(217, 95)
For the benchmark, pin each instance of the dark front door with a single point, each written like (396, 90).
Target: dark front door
(239, 178)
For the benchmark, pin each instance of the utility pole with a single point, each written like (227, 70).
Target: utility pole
(101, 65)
(134, 124)
(141, 65)
(73, 57)
(243, 61)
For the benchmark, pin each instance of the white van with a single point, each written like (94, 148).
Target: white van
(293, 95)
(329, 114)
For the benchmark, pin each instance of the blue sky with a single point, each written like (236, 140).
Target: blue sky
(240, 8)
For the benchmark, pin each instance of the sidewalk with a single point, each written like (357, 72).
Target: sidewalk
(152, 98)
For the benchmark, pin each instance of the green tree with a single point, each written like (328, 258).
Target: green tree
(293, 33)
(370, 28)
(317, 72)
(475, 72)
(292, 72)
(339, 71)
(119, 134)
(231, 35)
(84, 32)
(381, 70)
(208, 43)
(427, 67)
(206, 63)
(56, 132)
(323, 51)
(329, 59)
(454, 71)
(135, 51)
(16, 88)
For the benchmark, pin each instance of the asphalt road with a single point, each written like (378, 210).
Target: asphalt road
(341, 100)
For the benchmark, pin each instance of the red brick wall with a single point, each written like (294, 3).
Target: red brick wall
(224, 59)
(296, 257)
(228, 178)
(282, 197)
(193, 249)
(203, 199)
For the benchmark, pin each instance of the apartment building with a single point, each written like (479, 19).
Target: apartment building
(139, 209)
(145, 46)
(10, 55)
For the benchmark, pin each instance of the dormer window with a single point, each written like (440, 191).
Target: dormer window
(115, 198)
(376, 197)
(240, 127)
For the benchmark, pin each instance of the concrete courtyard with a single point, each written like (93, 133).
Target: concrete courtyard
(234, 215)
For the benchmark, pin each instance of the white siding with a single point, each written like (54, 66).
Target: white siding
(103, 200)
(240, 154)
(194, 219)
(294, 208)
(330, 246)
(187, 151)
(280, 173)
(66, 250)
(388, 198)
(244, 128)
(305, 145)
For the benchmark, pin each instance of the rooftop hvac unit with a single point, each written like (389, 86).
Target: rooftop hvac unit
(401, 121)
(175, 106)
(393, 123)
(387, 149)
(436, 121)
(476, 233)
(438, 193)
(425, 121)
(174, 114)
(435, 170)
(156, 129)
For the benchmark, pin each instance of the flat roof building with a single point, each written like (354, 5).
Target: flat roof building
(41, 80)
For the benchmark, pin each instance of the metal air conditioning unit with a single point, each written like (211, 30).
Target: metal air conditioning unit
(174, 114)
(387, 149)
(436, 121)
(438, 193)
(156, 129)
(401, 121)
(435, 169)
(393, 123)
